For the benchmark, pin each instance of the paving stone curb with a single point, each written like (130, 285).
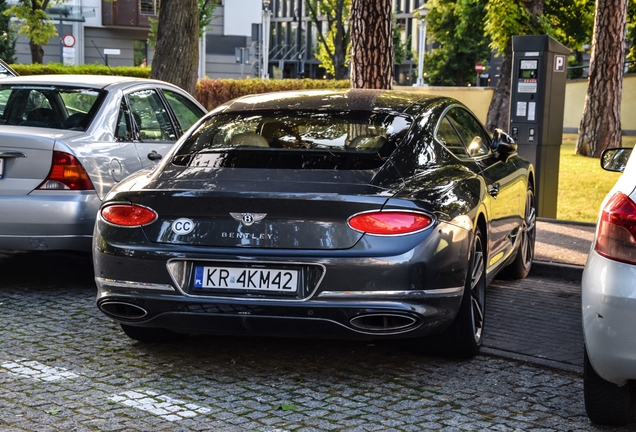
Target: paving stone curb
(531, 360)
(569, 272)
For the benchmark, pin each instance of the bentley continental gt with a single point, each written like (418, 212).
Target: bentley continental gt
(354, 214)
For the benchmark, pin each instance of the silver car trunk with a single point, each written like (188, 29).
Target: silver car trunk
(299, 210)
(27, 158)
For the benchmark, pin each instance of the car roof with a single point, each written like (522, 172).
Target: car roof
(88, 81)
(331, 100)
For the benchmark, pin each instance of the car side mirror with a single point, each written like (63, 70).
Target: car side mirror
(615, 159)
(503, 143)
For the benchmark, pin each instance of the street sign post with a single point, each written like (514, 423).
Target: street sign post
(479, 68)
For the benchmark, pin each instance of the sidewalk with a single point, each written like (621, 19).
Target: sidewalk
(538, 319)
(561, 248)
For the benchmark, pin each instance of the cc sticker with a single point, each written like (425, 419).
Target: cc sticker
(182, 226)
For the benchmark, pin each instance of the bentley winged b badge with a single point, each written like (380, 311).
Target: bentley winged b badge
(248, 219)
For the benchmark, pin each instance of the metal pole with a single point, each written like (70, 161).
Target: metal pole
(266, 44)
(61, 33)
(422, 48)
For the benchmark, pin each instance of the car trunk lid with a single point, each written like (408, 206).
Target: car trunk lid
(244, 208)
(26, 160)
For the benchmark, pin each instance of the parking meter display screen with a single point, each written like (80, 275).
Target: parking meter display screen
(528, 73)
(528, 69)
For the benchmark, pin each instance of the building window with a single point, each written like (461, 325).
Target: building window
(140, 53)
(149, 7)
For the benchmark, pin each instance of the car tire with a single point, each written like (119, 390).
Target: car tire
(464, 336)
(605, 402)
(152, 335)
(520, 267)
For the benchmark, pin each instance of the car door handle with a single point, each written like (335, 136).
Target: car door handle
(154, 156)
(494, 190)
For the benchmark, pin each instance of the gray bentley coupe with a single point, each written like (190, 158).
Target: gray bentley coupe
(355, 214)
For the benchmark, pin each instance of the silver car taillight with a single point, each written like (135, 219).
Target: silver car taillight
(67, 173)
(616, 237)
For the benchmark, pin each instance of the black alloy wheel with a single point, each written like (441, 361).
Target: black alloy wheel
(478, 289)
(465, 335)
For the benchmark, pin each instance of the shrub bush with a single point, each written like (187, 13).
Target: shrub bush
(86, 69)
(214, 92)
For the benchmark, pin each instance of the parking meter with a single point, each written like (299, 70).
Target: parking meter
(537, 101)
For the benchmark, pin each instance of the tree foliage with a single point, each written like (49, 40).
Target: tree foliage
(333, 37)
(505, 18)
(7, 37)
(572, 23)
(34, 24)
(400, 48)
(456, 26)
(206, 13)
(631, 35)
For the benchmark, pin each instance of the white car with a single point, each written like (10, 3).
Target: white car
(609, 301)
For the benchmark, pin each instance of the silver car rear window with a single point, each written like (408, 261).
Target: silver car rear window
(55, 107)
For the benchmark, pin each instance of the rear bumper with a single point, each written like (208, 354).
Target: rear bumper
(359, 319)
(609, 317)
(51, 220)
(412, 293)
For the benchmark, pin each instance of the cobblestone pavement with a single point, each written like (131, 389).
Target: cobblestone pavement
(64, 367)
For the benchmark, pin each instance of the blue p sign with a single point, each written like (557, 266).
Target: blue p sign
(559, 63)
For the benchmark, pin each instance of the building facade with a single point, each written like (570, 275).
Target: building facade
(115, 32)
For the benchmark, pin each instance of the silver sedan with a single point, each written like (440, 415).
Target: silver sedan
(66, 140)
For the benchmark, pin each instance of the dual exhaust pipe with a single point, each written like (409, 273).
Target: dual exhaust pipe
(380, 323)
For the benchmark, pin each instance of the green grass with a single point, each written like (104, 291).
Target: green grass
(582, 182)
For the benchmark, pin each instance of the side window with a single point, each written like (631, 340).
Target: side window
(187, 113)
(124, 130)
(447, 135)
(4, 98)
(153, 120)
(472, 133)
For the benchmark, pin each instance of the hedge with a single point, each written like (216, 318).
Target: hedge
(214, 92)
(86, 69)
(209, 92)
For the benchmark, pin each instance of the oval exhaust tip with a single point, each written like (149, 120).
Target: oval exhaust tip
(122, 310)
(383, 323)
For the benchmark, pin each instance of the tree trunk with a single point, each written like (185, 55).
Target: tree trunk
(177, 54)
(371, 44)
(499, 110)
(37, 53)
(601, 122)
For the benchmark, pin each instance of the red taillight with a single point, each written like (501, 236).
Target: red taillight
(616, 238)
(128, 215)
(389, 222)
(67, 173)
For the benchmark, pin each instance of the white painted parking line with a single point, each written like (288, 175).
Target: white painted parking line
(160, 405)
(38, 371)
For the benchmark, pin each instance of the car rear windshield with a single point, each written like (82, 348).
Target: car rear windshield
(48, 106)
(294, 140)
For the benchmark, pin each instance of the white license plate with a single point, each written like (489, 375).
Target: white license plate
(1, 167)
(262, 279)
